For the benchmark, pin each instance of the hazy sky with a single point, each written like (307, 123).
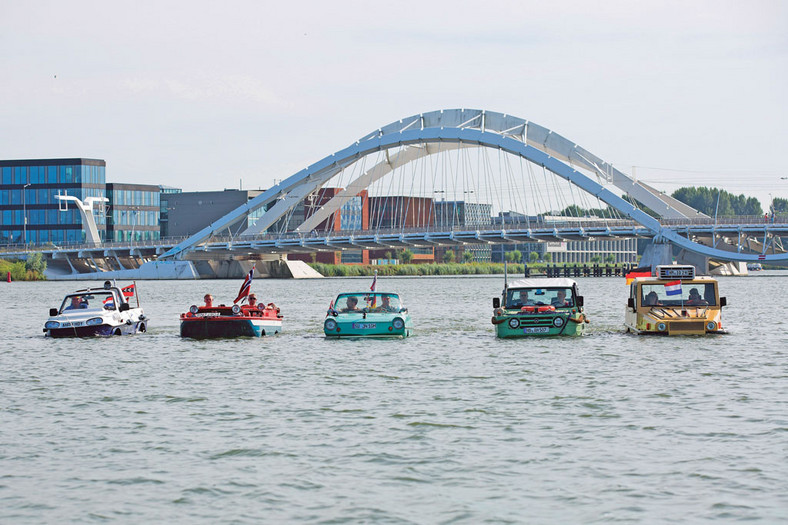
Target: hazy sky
(201, 94)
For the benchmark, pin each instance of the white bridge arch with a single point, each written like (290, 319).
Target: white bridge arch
(428, 133)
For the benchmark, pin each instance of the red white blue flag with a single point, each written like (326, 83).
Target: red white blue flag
(372, 289)
(128, 291)
(673, 288)
(246, 286)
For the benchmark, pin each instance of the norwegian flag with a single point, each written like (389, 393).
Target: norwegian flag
(372, 297)
(246, 286)
(330, 308)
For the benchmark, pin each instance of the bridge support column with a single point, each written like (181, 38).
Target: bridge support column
(657, 253)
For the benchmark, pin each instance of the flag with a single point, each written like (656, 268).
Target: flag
(330, 308)
(673, 288)
(372, 289)
(644, 271)
(127, 291)
(246, 286)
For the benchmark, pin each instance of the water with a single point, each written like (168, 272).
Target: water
(451, 425)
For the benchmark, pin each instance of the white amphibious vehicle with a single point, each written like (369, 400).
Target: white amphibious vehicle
(97, 312)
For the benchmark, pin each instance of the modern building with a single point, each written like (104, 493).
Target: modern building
(29, 212)
(463, 215)
(190, 212)
(164, 194)
(134, 211)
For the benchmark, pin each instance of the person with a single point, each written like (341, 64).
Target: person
(351, 304)
(208, 300)
(385, 305)
(651, 299)
(695, 299)
(523, 300)
(76, 302)
(560, 299)
(252, 300)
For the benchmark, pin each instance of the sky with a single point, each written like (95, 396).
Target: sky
(211, 95)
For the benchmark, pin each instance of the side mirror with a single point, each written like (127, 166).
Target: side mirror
(723, 301)
(496, 302)
(631, 302)
(403, 310)
(124, 307)
(53, 312)
(579, 300)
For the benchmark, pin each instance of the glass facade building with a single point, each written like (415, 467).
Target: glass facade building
(28, 207)
(134, 211)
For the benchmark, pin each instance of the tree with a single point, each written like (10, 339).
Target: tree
(509, 257)
(611, 258)
(547, 257)
(596, 259)
(517, 256)
(780, 205)
(36, 263)
(711, 200)
(533, 257)
(448, 256)
(467, 256)
(388, 255)
(406, 256)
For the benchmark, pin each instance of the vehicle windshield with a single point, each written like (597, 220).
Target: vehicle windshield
(683, 294)
(370, 302)
(559, 297)
(89, 300)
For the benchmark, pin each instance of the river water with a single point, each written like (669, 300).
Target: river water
(449, 426)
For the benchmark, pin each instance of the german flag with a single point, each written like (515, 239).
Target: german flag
(643, 271)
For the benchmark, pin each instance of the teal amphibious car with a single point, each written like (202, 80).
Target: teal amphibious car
(367, 314)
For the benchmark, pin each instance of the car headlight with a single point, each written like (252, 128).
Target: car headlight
(330, 325)
(93, 321)
(514, 322)
(558, 322)
(398, 323)
(236, 309)
(661, 327)
(193, 309)
(711, 326)
(49, 325)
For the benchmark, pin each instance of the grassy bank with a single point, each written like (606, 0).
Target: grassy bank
(353, 270)
(21, 270)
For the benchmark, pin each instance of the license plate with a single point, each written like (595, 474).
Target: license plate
(70, 325)
(364, 326)
(536, 330)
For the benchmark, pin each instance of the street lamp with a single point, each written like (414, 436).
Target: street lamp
(24, 213)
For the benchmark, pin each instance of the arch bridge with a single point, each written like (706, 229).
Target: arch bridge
(418, 137)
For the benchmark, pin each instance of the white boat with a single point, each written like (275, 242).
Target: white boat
(97, 312)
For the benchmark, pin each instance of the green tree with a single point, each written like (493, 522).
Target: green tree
(711, 200)
(533, 257)
(36, 263)
(509, 256)
(448, 256)
(596, 259)
(406, 256)
(611, 258)
(467, 256)
(388, 255)
(780, 205)
(547, 257)
(517, 255)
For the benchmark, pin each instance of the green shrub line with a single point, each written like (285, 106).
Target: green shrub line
(362, 270)
(30, 270)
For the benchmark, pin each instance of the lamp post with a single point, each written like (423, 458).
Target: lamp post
(24, 213)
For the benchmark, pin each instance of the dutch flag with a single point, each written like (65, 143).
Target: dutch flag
(673, 288)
